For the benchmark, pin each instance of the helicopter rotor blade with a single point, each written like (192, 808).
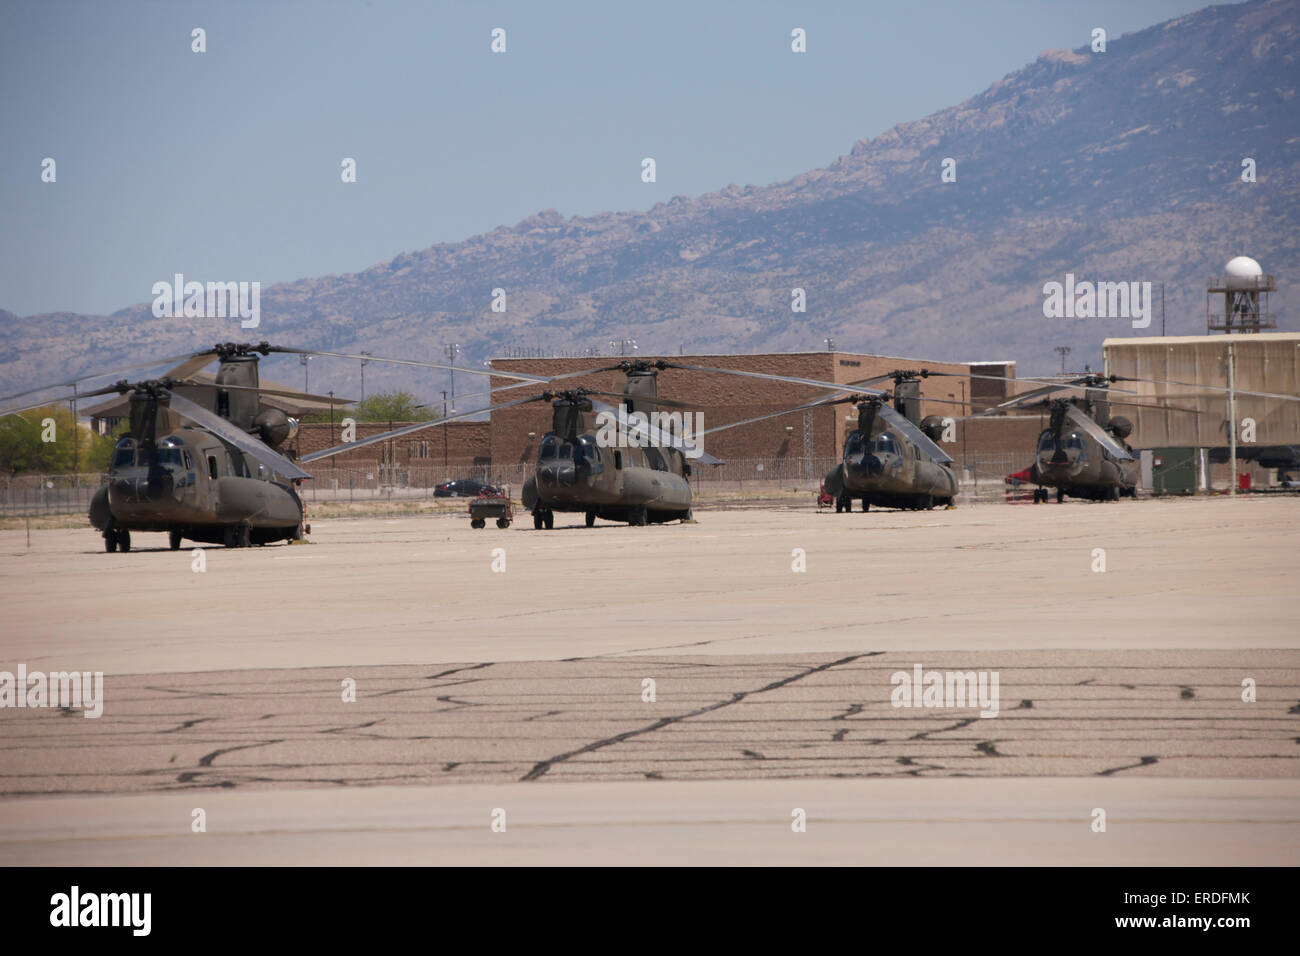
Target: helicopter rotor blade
(392, 361)
(419, 426)
(1213, 388)
(120, 388)
(767, 376)
(86, 378)
(834, 400)
(1097, 432)
(917, 437)
(228, 432)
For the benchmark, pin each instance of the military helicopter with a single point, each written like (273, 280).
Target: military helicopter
(891, 459)
(1082, 453)
(217, 479)
(582, 467)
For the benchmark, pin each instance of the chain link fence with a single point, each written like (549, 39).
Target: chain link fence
(981, 479)
(22, 495)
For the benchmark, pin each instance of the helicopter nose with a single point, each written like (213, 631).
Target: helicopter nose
(561, 473)
(142, 488)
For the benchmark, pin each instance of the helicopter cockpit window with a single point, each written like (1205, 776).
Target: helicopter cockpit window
(566, 451)
(884, 444)
(1074, 442)
(854, 445)
(1046, 441)
(589, 449)
(549, 447)
(168, 455)
(124, 454)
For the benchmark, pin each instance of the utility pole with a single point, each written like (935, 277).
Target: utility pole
(76, 457)
(364, 363)
(1063, 351)
(303, 360)
(331, 418)
(1162, 309)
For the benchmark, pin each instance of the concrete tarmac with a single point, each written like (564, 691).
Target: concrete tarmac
(1121, 634)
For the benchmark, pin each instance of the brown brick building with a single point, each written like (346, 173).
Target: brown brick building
(505, 448)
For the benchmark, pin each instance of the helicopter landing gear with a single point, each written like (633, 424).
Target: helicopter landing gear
(591, 518)
(637, 517)
(1112, 493)
(1060, 495)
(1040, 496)
(543, 519)
(115, 537)
(238, 536)
(843, 503)
(174, 539)
(925, 503)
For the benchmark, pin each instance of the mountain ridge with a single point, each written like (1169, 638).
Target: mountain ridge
(1123, 165)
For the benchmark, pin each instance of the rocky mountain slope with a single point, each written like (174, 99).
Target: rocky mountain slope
(1122, 165)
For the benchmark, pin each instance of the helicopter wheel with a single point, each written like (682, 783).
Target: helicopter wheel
(1113, 495)
(591, 518)
(1060, 495)
(848, 504)
(839, 506)
(538, 521)
(110, 541)
(866, 505)
(124, 540)
(927, 502)
(174, 539)
(637, 517)
(550, 520)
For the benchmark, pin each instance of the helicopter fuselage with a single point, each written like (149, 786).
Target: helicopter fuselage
(196, 487)
(885, 470)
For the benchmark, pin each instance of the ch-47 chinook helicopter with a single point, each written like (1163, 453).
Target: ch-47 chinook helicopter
(1083, 452)
(641, 480)
(891, 459)
(219, 478)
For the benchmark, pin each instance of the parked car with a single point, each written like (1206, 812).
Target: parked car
(463, 488)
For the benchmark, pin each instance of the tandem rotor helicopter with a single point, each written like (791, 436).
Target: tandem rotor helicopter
(210, 467)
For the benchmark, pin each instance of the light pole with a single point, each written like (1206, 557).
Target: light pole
(452, 351)
(303, 360)
(1063, 351)
(364, 363)
(830, 344)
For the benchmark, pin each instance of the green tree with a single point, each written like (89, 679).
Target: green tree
(38, 440)
(395, 406)
(97, 452)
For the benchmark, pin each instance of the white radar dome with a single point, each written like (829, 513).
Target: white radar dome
(1243, 268)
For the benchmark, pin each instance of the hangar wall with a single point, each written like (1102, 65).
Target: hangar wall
(1264, 362)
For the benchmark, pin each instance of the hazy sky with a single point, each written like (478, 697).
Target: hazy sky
(225, 165)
